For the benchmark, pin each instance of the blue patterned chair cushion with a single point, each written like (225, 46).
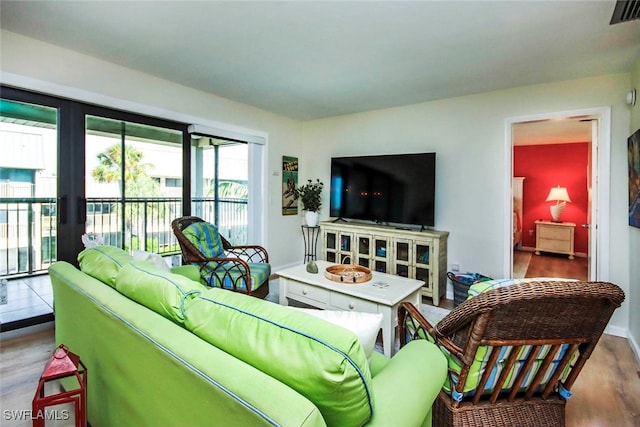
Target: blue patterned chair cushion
(483, 354)
(206, 238)
(260, 273)
(480, 362)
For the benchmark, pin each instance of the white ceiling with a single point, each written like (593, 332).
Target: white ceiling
(309, 60)
(553, 131)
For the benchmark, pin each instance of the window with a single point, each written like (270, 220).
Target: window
(129, 196)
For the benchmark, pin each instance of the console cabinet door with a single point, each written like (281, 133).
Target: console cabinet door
(403, 258)
(330, 239)
(381, 253)
(422, 261)
(338, 246)
(364, 250)
(347, 248)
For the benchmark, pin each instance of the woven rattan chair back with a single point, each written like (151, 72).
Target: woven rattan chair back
(239, 257)
(536, 335)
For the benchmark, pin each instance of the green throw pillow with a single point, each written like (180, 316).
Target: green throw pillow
(323, 362)
(103, 262)
(165, 293)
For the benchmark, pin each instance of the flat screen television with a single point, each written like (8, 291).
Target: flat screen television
(394, 189)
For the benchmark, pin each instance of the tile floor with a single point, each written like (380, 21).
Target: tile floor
(25, 301)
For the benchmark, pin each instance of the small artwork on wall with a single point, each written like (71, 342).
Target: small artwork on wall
(634, 179)
(289, 184)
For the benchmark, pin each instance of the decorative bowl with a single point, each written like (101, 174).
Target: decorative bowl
(347, 273)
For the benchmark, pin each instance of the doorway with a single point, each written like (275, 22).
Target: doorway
(589, 131)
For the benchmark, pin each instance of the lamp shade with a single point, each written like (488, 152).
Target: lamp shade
(558, 194)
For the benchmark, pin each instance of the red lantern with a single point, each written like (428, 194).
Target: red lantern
(63, 364)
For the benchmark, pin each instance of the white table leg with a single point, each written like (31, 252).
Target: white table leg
(282, 289)
(387, 329)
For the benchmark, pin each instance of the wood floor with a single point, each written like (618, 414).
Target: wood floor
(549, 265)
(557, 266)
(606, 394)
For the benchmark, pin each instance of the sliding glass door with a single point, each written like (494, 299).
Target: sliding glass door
(68, 168)
(133, 183)
(29, 171)
(220, 190)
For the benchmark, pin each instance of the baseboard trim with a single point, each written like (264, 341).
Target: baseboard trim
(634, 347)
(33, 328)
(24, 323)
(275, 269)
(617, 331)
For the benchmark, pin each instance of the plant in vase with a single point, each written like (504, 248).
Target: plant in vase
(309, 195)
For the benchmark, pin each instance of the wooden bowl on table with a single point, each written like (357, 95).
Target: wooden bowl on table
(347, 273)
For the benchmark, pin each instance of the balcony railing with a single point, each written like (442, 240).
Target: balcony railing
(28, 234)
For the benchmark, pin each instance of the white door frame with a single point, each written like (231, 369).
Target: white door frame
(601, 167)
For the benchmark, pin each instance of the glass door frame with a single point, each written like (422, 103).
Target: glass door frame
(64, 190)
(71, 200)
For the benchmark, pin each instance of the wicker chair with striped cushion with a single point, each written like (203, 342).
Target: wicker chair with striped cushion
(244, 269)
(514, 352)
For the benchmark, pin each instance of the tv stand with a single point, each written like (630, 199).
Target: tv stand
(416, 254)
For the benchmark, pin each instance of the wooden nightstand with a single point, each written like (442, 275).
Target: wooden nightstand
(556, 237)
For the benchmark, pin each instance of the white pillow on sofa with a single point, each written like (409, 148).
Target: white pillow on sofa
(364, 325)
(154, 259)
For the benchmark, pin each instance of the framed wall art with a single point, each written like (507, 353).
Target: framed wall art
(289, 185)
(634, 179)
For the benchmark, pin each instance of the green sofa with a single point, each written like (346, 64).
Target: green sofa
(164, 350)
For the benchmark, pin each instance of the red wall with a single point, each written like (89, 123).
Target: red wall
(546, 166)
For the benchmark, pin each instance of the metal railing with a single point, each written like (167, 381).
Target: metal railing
(28, 233)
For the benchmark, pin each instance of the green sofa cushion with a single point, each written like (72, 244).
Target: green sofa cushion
(323, 362)
(365, 325)
(103, 262)
(165, 293)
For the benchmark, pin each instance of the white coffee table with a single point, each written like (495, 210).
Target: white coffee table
(382, 294)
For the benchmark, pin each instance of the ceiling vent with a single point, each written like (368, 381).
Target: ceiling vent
(626, 10)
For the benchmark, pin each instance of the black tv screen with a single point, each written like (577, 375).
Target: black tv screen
(394, 188)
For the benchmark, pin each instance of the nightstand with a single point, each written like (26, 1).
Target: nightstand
(556, 237)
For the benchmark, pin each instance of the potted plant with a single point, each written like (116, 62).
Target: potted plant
(309, 195)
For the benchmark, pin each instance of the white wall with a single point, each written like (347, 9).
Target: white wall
(39, 66)
(467, 133)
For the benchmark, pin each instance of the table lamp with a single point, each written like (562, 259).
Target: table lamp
(561, 197)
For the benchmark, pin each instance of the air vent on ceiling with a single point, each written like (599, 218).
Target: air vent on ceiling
(625, 10)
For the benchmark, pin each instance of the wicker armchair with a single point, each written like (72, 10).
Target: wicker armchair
(242, 269)
(515, 352)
